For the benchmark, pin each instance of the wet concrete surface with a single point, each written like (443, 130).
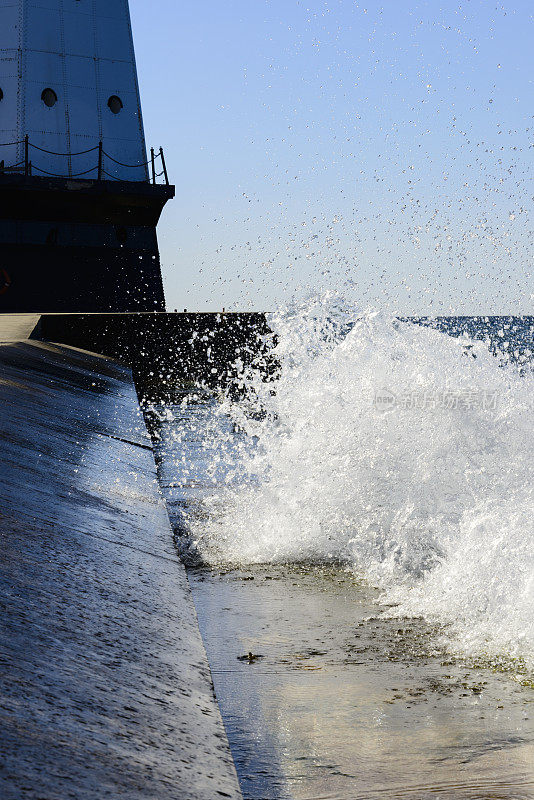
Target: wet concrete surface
(346, 703)
(105, 690)
(17, 327)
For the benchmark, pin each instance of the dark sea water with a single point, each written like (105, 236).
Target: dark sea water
(505, 335)
(390, 663)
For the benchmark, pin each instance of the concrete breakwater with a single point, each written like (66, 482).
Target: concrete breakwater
(165, 351)
(105, 689)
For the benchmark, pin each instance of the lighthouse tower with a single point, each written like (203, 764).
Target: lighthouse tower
(80, 197)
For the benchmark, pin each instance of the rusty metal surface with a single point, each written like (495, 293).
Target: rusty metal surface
(105, 690)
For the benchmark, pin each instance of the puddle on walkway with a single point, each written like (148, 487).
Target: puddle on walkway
(345, 704)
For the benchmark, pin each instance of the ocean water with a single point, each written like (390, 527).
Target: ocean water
(392, 458)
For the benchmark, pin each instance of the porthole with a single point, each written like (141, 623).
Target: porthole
(49, 97)
(115, 104)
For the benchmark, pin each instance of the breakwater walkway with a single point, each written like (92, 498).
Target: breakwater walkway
(105, 689)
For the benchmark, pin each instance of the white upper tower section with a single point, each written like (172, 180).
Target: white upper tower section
(68, 81)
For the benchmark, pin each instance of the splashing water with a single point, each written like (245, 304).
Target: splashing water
(398, 451)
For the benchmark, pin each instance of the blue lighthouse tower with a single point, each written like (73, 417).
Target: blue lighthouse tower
(79, 197)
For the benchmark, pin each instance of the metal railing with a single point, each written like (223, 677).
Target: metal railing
(28, 167)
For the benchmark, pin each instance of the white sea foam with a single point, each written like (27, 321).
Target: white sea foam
(401, 452)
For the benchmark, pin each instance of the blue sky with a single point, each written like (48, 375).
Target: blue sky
(377, 148)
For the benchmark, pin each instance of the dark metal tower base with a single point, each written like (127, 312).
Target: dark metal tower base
(73, 245)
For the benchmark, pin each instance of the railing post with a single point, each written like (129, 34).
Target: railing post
(26, 155)
(100, 160)
(164, 165)
(153, 160)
